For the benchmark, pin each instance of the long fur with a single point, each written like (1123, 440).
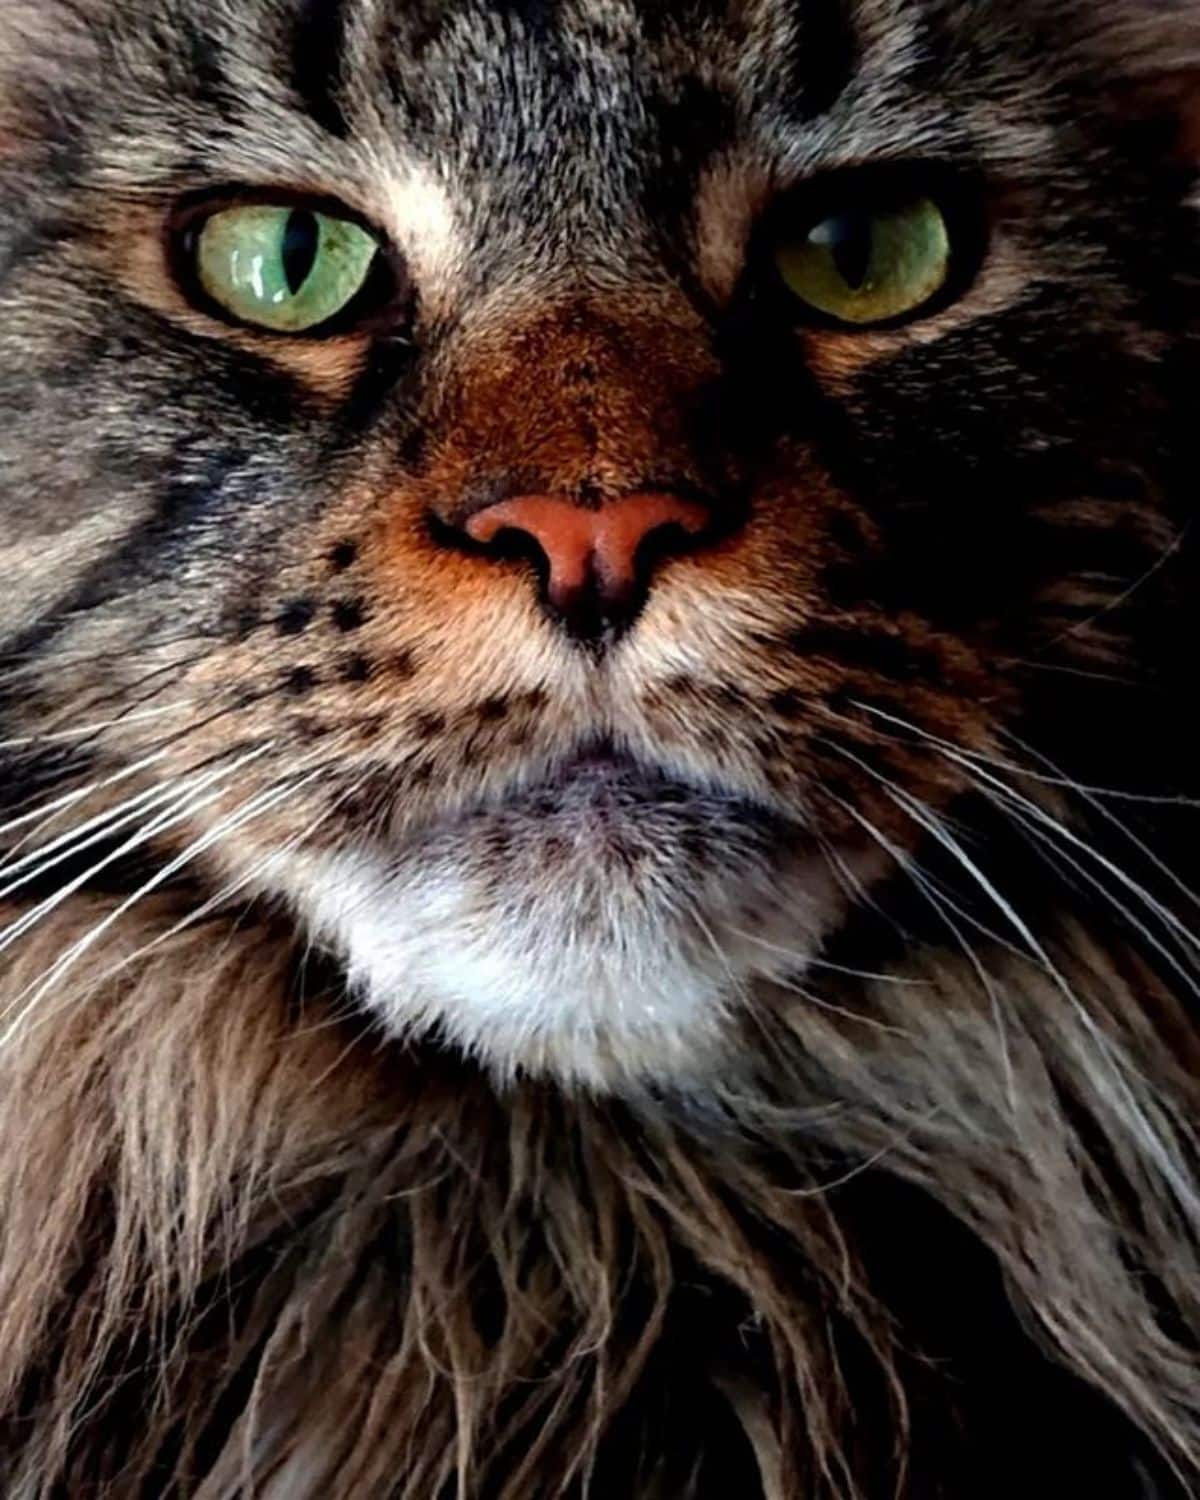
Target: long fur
(245, 1244)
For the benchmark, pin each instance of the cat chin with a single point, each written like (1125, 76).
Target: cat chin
(598, 981)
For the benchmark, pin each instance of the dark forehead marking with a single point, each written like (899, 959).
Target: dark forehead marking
(823, 57)
(535, 15)
(206, 67)
(317, 45)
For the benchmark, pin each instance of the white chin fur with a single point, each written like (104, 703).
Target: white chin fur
(597, 977)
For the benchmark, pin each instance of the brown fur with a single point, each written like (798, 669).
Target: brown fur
(251, 1177)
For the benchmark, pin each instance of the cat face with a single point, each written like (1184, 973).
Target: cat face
(714, 423)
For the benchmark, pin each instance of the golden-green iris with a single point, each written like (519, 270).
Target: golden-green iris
(866, 266)
(282, 268)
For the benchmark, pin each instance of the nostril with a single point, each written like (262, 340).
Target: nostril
(562, 535)
(594, 562)
(511, 544)
(672, 539)
(505, 544)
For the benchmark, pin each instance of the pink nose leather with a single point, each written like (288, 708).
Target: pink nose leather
(590, 548)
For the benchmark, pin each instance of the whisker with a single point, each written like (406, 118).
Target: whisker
(131, 693)
(234, 887)
(946, 912)
(44, 810)
(101, 825)
(209, 789)
(1121, 599)
(1059, 780)
(852, 884)
(924, 818)
(1063, 671)
(86, 731)
(254, 807)
(927, 883)
(806, 962)
(39, 862)
(830, 1007)
(1105, 1045)
(1040, 833)
(1090, 796)
(1007, 796)
(969, 762)
(17, 665)
(77, 794)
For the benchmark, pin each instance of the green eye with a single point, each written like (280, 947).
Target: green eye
(866, 266)
(286, 269)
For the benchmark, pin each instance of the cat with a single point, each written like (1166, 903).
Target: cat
(597, 770)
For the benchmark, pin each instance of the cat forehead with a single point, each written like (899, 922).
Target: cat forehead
(460, 55)
(487, 89)
(490, 79)
(463, 53)
(427, 29)
(457, 50)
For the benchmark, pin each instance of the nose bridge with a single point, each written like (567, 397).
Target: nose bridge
(574, 402)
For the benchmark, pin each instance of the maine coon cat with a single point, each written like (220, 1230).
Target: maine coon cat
(597, 757)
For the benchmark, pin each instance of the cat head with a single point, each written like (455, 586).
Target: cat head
(566, 497)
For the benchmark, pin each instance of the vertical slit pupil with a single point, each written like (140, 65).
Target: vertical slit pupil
(301, 240)
(851, 240)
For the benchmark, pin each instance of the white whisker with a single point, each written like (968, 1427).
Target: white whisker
(101, 825)
(68, 799)
(239, 883)
(804, 961)
(1114, 604)
(208, 787)
(1105, 1045)
(1092, 798)
(1043, 831)
(1037, 813)
(944, 910)
(40, 861)
(1058, 780)
(254, 807)
(1002, 791)
(85, 731)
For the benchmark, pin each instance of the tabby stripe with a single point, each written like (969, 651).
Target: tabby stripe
(824, 57)
(317, 62)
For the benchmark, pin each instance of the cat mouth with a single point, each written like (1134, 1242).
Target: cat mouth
(601, 786)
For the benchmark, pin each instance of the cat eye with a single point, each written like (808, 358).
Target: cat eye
(283, 267)
(867, 254)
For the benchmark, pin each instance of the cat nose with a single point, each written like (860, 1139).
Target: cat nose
(596, 562)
